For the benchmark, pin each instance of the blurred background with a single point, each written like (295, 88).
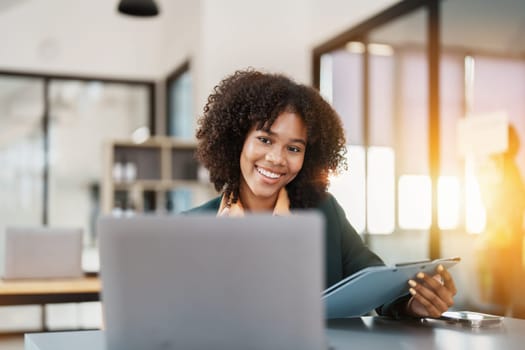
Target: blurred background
(430, 93)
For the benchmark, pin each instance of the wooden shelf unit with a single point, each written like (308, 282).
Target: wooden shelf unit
(162, 164)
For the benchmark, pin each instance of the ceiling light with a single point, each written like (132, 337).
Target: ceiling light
(141, 8)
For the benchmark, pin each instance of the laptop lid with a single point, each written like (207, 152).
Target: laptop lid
(41, 252)
(201, 282)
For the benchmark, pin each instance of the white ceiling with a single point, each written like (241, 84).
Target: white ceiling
(5, 5)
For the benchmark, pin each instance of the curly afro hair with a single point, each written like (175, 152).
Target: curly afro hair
(250, 98)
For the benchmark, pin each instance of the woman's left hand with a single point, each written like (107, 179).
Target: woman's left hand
(431, 295)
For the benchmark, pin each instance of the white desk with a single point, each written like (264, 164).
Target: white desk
(357, 333)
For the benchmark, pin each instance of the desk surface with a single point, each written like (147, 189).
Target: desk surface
(383, 333)
(19, 292)
(355, 333)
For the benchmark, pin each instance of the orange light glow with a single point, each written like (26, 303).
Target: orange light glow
(474, 209)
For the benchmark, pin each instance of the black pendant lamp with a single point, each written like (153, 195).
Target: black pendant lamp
(140, 8)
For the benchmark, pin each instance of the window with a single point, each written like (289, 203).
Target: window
(21, 151)
(180, 111)
(51, 147)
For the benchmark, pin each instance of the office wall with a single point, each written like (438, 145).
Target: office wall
(273, 35)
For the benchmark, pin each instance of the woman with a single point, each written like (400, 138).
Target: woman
(270, 145)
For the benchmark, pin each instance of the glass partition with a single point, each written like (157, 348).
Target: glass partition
(84, 115)
(483, 84)
(431, 94)
(52, 135)
(378, 83)
(21, 151)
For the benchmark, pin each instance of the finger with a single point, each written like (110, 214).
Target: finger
(448, 281)
(432, 310)
(436, 288)
(441, 303)
(431, 297)
(438, 278)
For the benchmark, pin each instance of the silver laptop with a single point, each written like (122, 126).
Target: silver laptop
(201, 282)
(41, 252)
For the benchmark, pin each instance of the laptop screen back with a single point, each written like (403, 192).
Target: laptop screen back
(201, 282)
(41, 252)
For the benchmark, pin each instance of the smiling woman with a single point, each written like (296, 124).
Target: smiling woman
(271, 144)
(288, 121)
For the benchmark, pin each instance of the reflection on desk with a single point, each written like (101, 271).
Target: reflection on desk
(354, 333)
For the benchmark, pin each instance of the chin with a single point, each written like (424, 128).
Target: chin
(265, 193)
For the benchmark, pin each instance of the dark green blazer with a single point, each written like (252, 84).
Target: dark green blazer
(345, 252)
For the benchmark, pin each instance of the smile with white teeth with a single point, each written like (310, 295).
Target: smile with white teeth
(268, 173)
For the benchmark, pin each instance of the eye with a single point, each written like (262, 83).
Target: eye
(294, 149)
(264, 140)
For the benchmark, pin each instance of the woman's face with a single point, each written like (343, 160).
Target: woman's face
(271, 159)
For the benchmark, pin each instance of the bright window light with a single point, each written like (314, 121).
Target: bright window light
(355, 47)
(474, 209)
(448, 202)
(380, 49)
(381, 181)
(140, 135)
(349, 188)
(326, 81)
(415, 202)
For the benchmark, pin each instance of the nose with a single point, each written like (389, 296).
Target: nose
(275, 156)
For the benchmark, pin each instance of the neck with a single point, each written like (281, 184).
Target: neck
(256, 204)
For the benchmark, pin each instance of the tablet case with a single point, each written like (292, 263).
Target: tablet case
(374, 286)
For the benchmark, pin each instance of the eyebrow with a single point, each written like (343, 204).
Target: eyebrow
(271, 133)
